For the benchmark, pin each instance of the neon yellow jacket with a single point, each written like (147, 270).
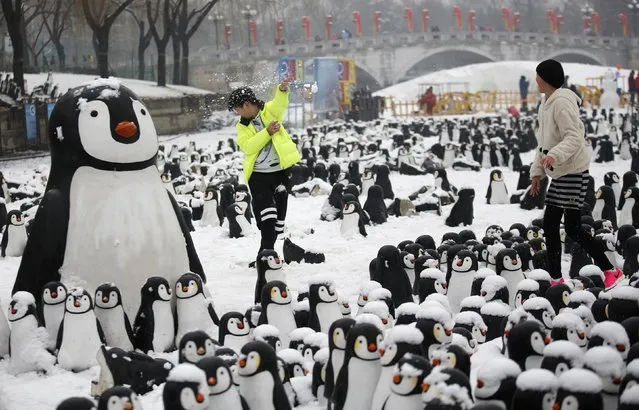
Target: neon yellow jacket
(251, 142)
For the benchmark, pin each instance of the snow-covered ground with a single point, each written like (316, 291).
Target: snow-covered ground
(500, 76)
(231, 282)
(141, 88)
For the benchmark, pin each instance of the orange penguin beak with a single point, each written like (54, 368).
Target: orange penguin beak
(201, 351)
(199, 398)
(397, 379)
(127, 406)
(212, 381)
(126, 129)
(372, 347)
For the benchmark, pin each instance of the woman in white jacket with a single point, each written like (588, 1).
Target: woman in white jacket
(563, 156)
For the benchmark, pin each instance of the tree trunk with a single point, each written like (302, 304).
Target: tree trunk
(102, 52)
(185, 62)
(141, 64)
(162, 68)
(176, 60)
(59, 48)
(18, 60)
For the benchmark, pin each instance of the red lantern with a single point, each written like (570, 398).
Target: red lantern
(623, 19)
(377, 20)
(328, 24)
(357, 19)
(279, 29)
(227, 36)
(552, 19)
(471, 20)
(306, 22)
(408, 16)
(253, 30)
(516, 21)
(559, 21)
(457, 12)
(425, 18)
(596, 22)
(505, 12)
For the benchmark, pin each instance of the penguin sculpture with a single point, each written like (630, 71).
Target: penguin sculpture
(54, 294)
(497, 192)
(561, 356)
(352, 220)
(462, 212)
(14, 237)
(318, 375)
(154, 326)
(360, 371)
(605, 206)
(630, 180)
(526, 289)
(406, 383)
(509, 267)
(195, 346)
(536, 389)
(496, 381)
(270, 335)
(260, 383)
(610, 334)
(238, 225)
(526, 343)
(338, 334)
(583, 395)
(606, 363)
(392, 276)
(186, 388)
(195, 311)
(119, 397)
(568, 326)
(436, 326)
(382, 179)
(473, 322)
(460, 278)
(495, 288)
(234, 331)
(323, 304)
(612, 180)
(211, 209)
(219, 378)
(333, 206)
(277, 310)
(494, 313)
(103, 151)
(80, 334)
(77, 403)
(629, 211)
(375, 206)
(431, 280)
(112, 317)
(269, 268)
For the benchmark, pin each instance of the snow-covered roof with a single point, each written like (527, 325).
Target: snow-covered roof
(495, 308)
(291, 356)
(187, 372)
(404, 334)
(580, 381)
(537, 380)
(528, 285)
(610, 330)
(498, 368)
(565, 349)
(605, 360)
(264, 331)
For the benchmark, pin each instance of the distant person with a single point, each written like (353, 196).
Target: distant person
(632, 87)
(428, 100)
(566, 85)
(574, 89)
(523, 92)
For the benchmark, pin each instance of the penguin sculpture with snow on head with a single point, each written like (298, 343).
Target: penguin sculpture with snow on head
(497, 192)
(509, 267)
(219, 378)
(431, 280)
(460, 278)
(605, 206)
(234, 331)
(154, 326)
(375, 206)
(333, 206)
(568, 326)
(211, 210)
(408, 263)
(629, 214)
(80, 334)
(260, 383)
(463, 211)
(494, 313)
(382, 179)
(496, 381)
(54, 294)
(269, 268)
(243, 198)
(277, 309)
(392, 276)
(406, 383)
(630, 180)
(436, 326)
(526, 289)
(103, 151)
(112, 317)
(526, 343)
(360, 371)
(582, 395)
(323, 304)
(14, 237)
(186, 388)
(612, 180)
(536, 389)
(195, 346)
(195, 311)
(337, 337)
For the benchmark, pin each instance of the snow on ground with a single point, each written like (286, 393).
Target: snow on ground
(226, 260)
(500, 76)
(142, 88)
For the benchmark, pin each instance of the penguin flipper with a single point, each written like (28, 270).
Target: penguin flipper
(100, 331)
(340, 390)
(362, 228)
(58, 341)
(5, 241)
(213, 314)
(245, 405)
(280, 399)
(195, 265)
(45, 248)
(127, 327)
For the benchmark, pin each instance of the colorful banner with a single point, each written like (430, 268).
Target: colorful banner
(347, 76)
(50, 109)
(31, 121)
(327, 79)
(291, 68)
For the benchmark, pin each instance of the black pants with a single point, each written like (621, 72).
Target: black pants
(572, 225)
(270, 200)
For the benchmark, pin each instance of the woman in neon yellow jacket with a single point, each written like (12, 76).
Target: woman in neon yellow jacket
(268, 153)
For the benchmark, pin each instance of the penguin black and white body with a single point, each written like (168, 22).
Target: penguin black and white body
(352, 220)
(323, 304)
(606, 363)
(462, 212)
(14, 237)
(333, 206)
(561, 356)
(431, 280)
(375, 206)
(473, 322)
(495, 288)
(103, 151)
(497, 192)
(509, 267)
(368, 180)
(112, 317)
(195, 346)
(154, 326)
(612, 180)
(80, 334)
(186, 388)
(234, 331)
(360, 372)
(238, 225)
(277, 310)
(77, 403)
(406, 383)
(630, 180)
(211, 209)
(269, 268)
(320, 361)
(436, 326)
(194, 310)
(584, 395)
(54, 294)
(27, 343)
(536, 389)
(496, 381)
(222, 394)
(392, 276)
(610, 334)
(629, 214)
(494, 313)
(260, 383)
(526, 289)
(526, 343)
(570, 327)
(119, 398)
(337, 336)
(606, 205)
(460, 278)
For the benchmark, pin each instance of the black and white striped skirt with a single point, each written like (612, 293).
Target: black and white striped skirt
(569, 191)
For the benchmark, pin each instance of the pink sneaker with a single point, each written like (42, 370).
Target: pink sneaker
(554, 282)
(612, 277)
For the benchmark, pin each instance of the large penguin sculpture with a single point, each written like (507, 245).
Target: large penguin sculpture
(497, 192)
(14, 237)
(104, 180)
(260, 383)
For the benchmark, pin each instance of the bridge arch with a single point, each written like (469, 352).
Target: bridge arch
(470, 55)
(573, 55)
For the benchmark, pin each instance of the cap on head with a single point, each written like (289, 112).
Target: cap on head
(551, 72)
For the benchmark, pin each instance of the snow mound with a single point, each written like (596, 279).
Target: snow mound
(24, 298)
(439, 298)
(528, 285)
(612, 331)
(495, 308)
(538, 274)
(316, 340)
(404, 334)
(483, 273)
(302, 306)
(566, 350)
(580, 381)
(407, 309)
(498, 368)
(630, 396)
(111, 82)
(291, 356)
(321, 280)
(432, 273)
(408, 370)
(569, 321)
(438, 315)
(187, 373)
(322, 355)
(371, 320)
(265, 331)
(472, 302)
(541, 380)
(538, 304)
(299, 334)
(379, 294)
(109, 93)
(605, 360)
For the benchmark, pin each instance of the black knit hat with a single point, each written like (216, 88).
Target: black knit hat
(551, 72)
(242, 95)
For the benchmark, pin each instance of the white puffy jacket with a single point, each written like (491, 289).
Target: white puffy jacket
(561, 134)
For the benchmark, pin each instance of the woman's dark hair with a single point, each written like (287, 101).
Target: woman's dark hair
(241, 95)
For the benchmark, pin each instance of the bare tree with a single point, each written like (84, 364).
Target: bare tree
(14, 17)
(56, 21)
(100, 19)
(145, 36)
(165, 23)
